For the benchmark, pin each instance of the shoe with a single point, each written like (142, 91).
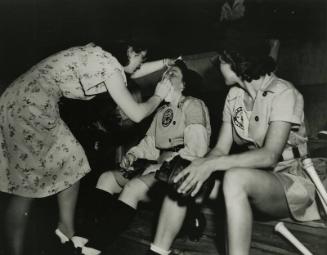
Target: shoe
(150, 252)
(90, 251)
(66, 246)
(79, 241)
(322, 134)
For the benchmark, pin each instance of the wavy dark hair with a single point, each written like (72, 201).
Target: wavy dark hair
(191, 78)
(248, 56)
(119, 50)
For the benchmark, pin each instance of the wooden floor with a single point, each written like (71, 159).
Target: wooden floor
(264, 239)
(137, 238)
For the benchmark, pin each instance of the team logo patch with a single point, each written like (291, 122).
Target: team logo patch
(238, 118)
(167, 117)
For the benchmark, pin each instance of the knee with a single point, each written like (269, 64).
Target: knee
(107, 182)
(135, 190)
(235, 183)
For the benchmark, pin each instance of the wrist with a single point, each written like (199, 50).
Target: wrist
(157, 96)
(165, 62)
(132, 155)
(210, 165)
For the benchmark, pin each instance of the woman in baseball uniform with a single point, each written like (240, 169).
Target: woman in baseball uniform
(180, 127)
(265, 114)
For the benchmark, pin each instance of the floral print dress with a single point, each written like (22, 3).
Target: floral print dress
(39, 156)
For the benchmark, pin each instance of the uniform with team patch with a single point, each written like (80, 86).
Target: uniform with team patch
(176, 130)
(276, 100)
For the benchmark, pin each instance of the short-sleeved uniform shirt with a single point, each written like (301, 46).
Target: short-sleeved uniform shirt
(186, 124)
(276, 100)
(169, 123)
(39, 156)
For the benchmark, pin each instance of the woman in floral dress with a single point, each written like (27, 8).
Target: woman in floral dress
(39, 156)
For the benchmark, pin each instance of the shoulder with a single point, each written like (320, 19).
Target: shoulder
(279, 86)
(284, 92)
(94, 51)
(233, 93)
(192, 103)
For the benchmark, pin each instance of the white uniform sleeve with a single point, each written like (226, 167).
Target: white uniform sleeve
(147, 146)
(146, 149)
(196, 142)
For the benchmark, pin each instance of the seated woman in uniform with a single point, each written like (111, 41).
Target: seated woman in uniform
(180, 127)
(265, 114)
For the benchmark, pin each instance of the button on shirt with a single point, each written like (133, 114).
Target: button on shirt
(276, 100)
(187, 124)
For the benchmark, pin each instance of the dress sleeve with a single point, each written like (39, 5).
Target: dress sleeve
(288, 106)
(97, 68)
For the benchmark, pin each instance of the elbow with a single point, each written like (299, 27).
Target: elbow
(138, 116)
(272, 160)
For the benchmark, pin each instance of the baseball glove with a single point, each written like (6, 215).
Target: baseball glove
(138, 167)
(170, 169)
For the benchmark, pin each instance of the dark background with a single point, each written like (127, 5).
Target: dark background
(33, 29)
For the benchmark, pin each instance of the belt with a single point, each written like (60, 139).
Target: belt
(173, 149)
(298, 151)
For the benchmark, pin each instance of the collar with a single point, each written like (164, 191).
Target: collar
(267, 84)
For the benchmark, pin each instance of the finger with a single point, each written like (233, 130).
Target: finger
(181, 175)
(189, 187)
(196, 190)
(122, 163)
(185, 184)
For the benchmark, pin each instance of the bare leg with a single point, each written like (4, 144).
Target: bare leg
(108, 182)
(67, 203)
(16, 217)
(134, 192)
(243, 188)
(168, 226)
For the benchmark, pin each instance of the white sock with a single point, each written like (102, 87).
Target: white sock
(159, 250)
(62, 237)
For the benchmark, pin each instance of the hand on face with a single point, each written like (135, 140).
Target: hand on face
(163, 88)
(175, 76)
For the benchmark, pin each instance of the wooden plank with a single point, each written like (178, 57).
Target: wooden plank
(264, 239)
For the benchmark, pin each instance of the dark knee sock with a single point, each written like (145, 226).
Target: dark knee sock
(103, 203)
(99, 205)
(115, 223)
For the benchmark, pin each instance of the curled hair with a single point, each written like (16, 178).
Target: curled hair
(191, 79)
(119, 50)
(247, 67)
